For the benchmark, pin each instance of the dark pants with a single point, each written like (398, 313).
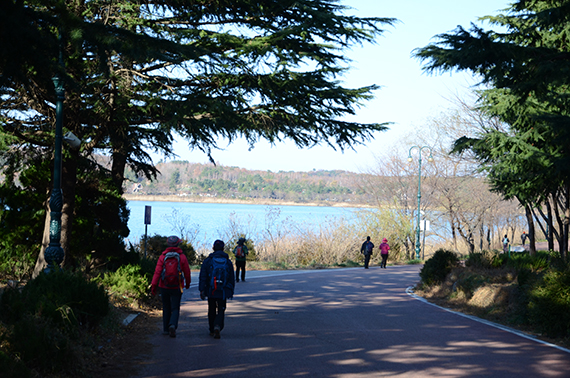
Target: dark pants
(170, 307)
(366, 261)
(216, 310)
(384, 259)
(240, 265)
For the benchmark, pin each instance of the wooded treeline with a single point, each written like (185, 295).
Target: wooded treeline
(207, 180)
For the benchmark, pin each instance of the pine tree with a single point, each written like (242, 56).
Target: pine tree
(524, 65)
(140, 73)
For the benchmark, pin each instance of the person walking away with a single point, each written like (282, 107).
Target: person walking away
(366, 250)
(506, 244)
(217, 282)
(384, 248)
(240, 251)
(523, 238)
(171, 274)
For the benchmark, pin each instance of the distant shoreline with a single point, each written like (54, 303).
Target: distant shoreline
(172, 198)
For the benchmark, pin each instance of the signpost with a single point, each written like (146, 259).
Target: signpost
(147, 211)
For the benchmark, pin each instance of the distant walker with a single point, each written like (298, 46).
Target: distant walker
(367, 249)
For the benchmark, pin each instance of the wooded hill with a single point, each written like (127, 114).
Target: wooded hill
(182, 178)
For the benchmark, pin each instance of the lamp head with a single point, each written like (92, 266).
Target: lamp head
(72, 140)
(410, 159)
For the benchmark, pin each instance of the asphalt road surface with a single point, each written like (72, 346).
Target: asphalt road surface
(343, 323)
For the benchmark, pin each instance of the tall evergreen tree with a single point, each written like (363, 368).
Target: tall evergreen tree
(140, 73)
(525, 65)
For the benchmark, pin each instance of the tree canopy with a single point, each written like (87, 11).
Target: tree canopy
(138, 74)
(524, 65)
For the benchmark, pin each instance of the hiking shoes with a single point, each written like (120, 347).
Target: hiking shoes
(216, 332)
(172, 331)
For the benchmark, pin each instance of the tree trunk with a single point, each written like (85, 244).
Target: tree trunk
(118, 168)
(564, 248)
(559, 221)
(68, 185)
(531, 231)
(41, 262)
(549, 229)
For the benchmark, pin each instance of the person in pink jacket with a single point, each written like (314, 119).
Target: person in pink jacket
(172, 273)
(384, 248)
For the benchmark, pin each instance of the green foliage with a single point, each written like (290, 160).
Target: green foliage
(156, 244)
(540, 261)
(16, 261)
(549, 305)
(230, 245)
(11, 368)
(66, 299)
(540, 301)
(485, 260)
(470, 282)
(389, 224)
(42, 346)
(129, 281)
(525, 69)
(45, 317)
(232, 182)
(22, 213)
(438, 267)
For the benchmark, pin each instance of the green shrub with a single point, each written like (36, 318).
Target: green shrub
(230, 245)
(485, 260)
(11, 368)
(469, 282)
(128, 281)
(63, 297)
(42, 346)
(438, 267)
(156, 244)
(520, 261)
(549, 305)
(46, 316)
(16, 261)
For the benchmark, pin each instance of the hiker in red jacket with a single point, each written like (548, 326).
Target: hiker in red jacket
(172, 273)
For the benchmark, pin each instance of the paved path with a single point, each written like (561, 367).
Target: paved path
(343, 323)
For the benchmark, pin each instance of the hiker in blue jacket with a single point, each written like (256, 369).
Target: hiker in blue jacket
(216, 282)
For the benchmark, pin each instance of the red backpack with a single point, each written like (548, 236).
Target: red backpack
(171, 270)
(239, 251)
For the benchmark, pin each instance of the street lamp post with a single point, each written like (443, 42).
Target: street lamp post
(430, 159)
(54, 254)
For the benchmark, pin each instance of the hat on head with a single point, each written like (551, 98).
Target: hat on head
(173, 241)
(241, 241)
(385, 240)
(218, 245)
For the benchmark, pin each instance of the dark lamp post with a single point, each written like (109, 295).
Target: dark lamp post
(430, 159)
(54, 254)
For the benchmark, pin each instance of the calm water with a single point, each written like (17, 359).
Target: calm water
(207, 221)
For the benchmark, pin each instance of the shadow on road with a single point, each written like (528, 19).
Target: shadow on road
(343, 323)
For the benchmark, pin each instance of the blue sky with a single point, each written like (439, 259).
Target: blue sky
(408, 97)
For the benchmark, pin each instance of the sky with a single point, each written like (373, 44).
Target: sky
(408, 97)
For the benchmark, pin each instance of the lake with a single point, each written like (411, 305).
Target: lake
(205, 222)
